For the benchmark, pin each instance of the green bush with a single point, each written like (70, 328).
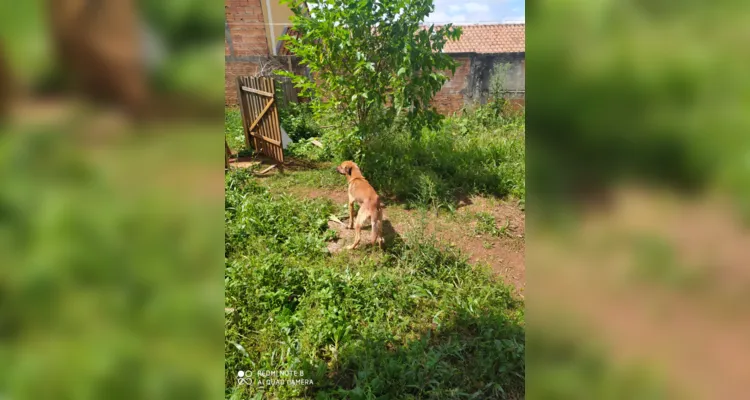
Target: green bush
(305, 149)
(631, 100)
(102, 265)
(298, 122)
(470, 154)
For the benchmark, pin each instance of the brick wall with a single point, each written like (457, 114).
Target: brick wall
(450, 98)
(470, 84)
(231, 71)
(244, 42)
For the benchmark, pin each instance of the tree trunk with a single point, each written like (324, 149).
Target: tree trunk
(98, 44)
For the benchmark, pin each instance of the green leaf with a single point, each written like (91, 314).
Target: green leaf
(338, 48)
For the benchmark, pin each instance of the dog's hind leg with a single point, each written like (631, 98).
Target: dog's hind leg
(362, 216)
(351, 214)
(357, 230)
(377, 227)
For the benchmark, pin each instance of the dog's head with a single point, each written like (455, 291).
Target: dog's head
(346, 168)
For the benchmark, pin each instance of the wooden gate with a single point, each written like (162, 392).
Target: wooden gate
(260, 118)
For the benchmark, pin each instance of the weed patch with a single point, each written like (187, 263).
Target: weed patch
(466, 156)
(298, 122)
(416, 321)
(481, 151)
(233, 132)
(486, 224)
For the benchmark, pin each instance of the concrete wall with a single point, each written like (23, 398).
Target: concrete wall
(471, 82)
(279, 14)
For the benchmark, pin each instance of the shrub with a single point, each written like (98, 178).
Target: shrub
(469, 154)
(298, 122)
(371, 58)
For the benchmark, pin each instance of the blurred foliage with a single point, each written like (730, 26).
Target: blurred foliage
(107, 239)
(648, 91)
(106, 289)
(185, 24)
(564, 367)
(190, 31)
(233, 133)
(195, 70)
(24, 34)
(187, 30)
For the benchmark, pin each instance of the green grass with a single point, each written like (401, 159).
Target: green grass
(323, 176)
(477, 152)
(233, 129)
(413, 322)
(486, 224)
(109, 280)
(469, 154)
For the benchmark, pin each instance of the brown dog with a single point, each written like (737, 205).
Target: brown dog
(369, 203)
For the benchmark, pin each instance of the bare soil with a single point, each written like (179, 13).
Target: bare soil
(504, 254)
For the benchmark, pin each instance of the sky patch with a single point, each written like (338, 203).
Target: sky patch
(476, 12)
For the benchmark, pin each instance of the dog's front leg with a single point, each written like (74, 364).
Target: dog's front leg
(351, 216)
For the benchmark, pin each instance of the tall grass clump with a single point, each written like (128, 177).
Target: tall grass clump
(107, 276)
(233, 133)
(478, 152)
(298, 121)
(415, 322)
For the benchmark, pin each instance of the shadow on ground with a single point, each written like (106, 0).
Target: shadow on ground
(465, 356)
(345, 236)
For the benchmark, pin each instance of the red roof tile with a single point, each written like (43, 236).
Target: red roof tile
(494, 38)
(483, 39)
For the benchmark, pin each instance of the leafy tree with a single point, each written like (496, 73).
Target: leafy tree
(371, 59)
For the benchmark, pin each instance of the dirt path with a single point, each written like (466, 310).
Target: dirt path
(696, 336)
(504, 254)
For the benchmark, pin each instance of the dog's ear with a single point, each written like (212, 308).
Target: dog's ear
(348, 170)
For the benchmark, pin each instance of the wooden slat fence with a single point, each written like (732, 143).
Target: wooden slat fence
(260, 117)
(286, 92)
